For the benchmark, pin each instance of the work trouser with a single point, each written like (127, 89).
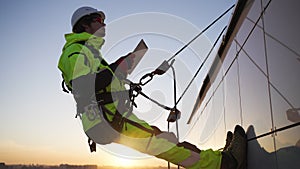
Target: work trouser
(159, 144)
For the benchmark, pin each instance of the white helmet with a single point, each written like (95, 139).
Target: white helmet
(83, 11)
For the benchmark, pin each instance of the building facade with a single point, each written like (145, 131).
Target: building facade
(255, 84)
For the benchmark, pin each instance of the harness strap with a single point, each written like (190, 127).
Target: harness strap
(86, 61)
(108, 97)
(63, 84)
(120, 120)
(96, 54)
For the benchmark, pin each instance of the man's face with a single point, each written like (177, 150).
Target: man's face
(97, 27)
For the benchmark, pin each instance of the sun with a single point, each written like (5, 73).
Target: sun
(124, 162)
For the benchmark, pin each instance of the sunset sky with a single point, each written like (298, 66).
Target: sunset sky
(37, 124)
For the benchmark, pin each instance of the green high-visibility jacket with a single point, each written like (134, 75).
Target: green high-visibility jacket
(79, 63)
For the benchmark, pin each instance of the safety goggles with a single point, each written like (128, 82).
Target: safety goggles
(99, 19)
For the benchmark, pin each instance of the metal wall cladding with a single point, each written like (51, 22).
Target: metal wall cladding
(258, 87)
(283, 42)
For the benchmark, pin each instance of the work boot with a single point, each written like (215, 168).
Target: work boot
(228, 140)
(235, 156)
(228, 161)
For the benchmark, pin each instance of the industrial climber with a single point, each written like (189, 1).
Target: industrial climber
(103, 102)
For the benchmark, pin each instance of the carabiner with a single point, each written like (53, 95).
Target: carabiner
(135, 88)
(149, 76)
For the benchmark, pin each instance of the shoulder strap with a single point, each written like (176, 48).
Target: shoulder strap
(95, 52)
(63, 84)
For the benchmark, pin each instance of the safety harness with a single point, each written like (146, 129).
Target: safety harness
(96, 109)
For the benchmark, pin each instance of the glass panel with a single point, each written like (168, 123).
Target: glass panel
(255, 11)
(284, 71)
(212, 120)
(261, 151)
(265, 2)
(244, 31)
(254, 48)
(288, 148)
(230, 56)
(255, 97)
(282, 22)
(211, 123)
(232, 101)
(283, 114)
(205, 136)
(217, 114)
(220, 135)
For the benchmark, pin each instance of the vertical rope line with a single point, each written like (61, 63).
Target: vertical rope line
(239, 85)
(268, 77)
(224, 107)
(175, 104)
(267, 66)
(224, 100)
(169, 167)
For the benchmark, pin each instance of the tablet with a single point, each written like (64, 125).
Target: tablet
(139, 52)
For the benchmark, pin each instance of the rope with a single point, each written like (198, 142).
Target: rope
(239, 86)
(274, 131)
(150, 75)
(201, 32)
(175, 106)
(156, 102)
(196, 74)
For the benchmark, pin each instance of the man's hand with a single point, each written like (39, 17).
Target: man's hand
(125, 63)
(122, 65)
